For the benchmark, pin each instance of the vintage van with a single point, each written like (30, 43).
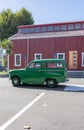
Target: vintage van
(49, 71)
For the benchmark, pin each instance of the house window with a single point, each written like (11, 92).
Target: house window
(82, 25)
(31, 30)
(50, 28)
(82, 59)
(63, 27)
(44, 29)
(26, 30)
(37, 29)
(20, 30)
(17, 60)
(37, 56)
(60, 55)
(57, 28)
(77, 26)
(71, 27)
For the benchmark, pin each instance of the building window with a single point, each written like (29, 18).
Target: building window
(17, 60)
(26, 30)
(31, 30)
(37, 29)
(70, 26)
(63, 27)
(82, 59)
(77, 26)
(37, 56)
(82, 25)
(60, 55)
(44, 29)
(50, 28)
(57, 28)
(20, 30)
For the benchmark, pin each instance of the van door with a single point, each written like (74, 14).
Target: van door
(33, 74)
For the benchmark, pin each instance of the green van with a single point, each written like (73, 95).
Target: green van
(49, 71)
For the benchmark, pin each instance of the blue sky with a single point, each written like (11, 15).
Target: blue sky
(48, 11)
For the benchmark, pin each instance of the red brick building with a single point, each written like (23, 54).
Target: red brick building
(59, 40)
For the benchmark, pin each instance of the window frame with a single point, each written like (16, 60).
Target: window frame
(15, 60)
(63, 27)
(57, 28)
(82, 59)
(70, 27)
(36, 55)
(77, 26)
(50, 28)
(61, 54)
(37, 29)
(44, 29)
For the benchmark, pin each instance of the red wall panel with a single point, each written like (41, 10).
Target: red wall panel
(48, 46)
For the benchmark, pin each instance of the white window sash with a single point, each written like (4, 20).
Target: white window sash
(15, 60)
(82, 59)
(35, 55)
(61, 54)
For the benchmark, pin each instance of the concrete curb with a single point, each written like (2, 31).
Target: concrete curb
(4, 76)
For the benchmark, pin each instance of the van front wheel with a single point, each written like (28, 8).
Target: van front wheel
(51, 83)
(16, 81)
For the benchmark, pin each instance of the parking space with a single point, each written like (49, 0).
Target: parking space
(42, 108)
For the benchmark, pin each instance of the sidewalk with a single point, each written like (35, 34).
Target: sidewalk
(75, 74)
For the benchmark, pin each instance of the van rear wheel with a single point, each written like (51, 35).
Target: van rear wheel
(51, 83)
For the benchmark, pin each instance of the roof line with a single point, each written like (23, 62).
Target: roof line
(47, 35)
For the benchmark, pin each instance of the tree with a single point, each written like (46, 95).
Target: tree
(6, 18)
(7, 45)
(24, 17)
(10, 20)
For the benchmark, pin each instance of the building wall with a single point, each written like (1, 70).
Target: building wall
(48, 47)
(19, 47)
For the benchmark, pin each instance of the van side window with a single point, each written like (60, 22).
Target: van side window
(35, 65)
(53, 65)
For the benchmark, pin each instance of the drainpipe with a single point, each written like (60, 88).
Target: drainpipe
(27, 51)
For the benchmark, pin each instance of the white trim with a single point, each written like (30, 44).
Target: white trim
(15, 64)
(82, 59)
(28, 50)
(75, 71)
(8, 62)
(61, 54)
(37, 54)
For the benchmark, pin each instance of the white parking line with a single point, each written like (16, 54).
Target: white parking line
(4, 126)
(74, 87)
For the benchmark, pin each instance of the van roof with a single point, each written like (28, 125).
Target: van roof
(49, 60)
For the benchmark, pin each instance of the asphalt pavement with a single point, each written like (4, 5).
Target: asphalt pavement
(40, 107)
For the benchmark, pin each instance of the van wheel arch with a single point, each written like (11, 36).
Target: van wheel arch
(51, 83)
(16, 80)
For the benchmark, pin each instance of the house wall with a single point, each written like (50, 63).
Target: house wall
(48, 46)
(19, 47)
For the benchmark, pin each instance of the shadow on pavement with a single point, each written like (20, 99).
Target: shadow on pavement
(42, 87)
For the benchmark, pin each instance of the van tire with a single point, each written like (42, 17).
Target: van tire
(51, 83)
(16, 81)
